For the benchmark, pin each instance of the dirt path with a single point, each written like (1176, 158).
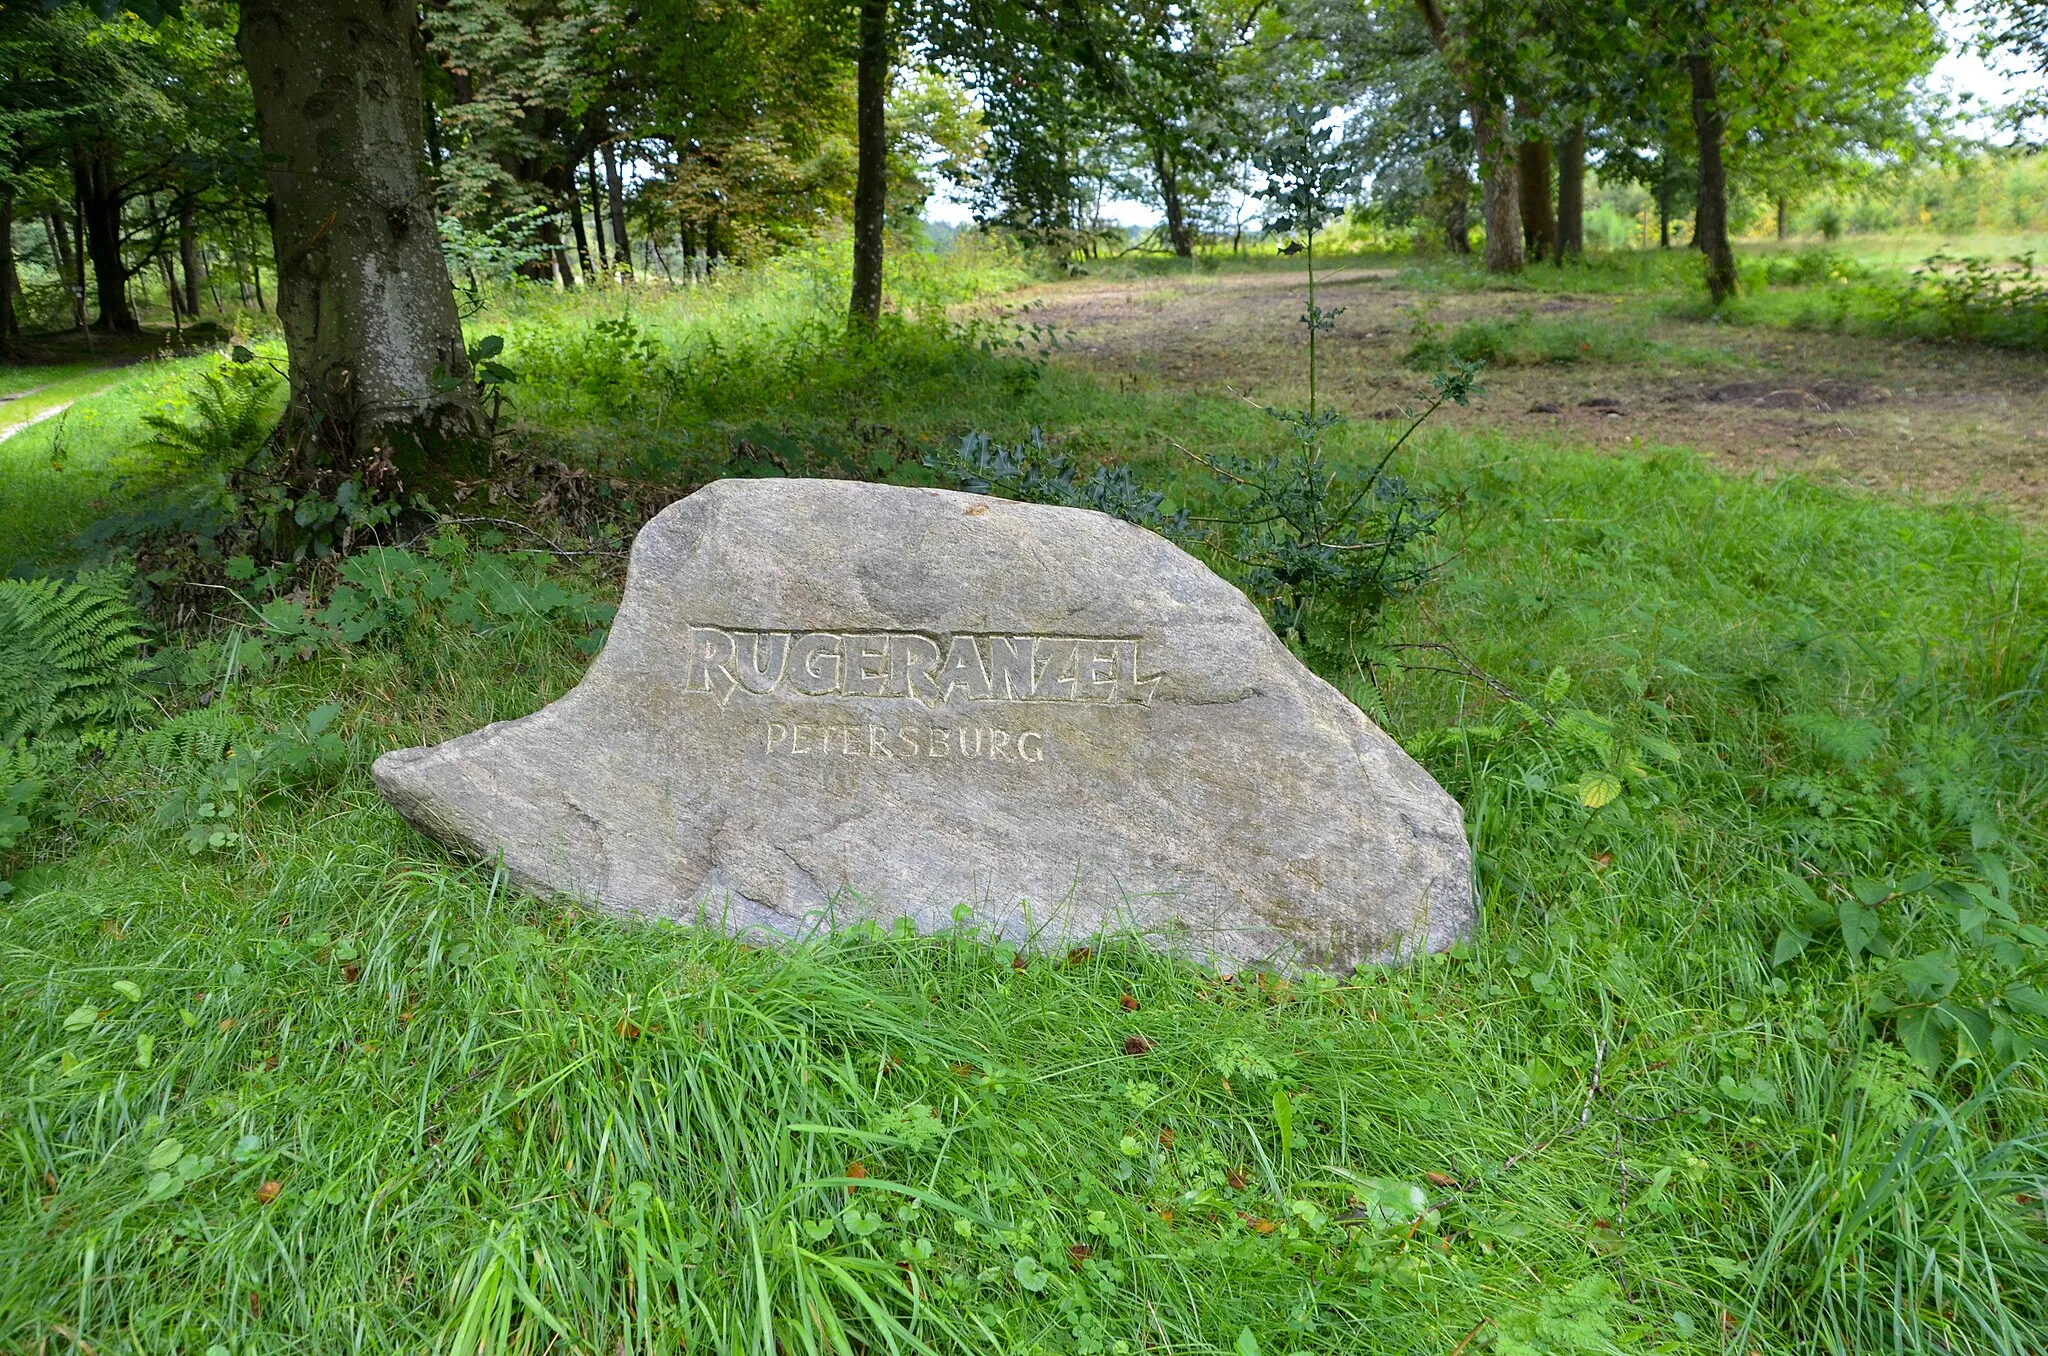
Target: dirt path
(1592, 370)
(9, 430)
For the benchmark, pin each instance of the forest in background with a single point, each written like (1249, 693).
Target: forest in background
(573, 140)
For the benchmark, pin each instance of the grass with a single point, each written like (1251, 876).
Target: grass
(66, 472)
(317, 1087)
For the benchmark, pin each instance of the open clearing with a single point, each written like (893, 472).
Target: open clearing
(1941, 421)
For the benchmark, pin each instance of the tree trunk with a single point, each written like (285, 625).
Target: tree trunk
(870, 184)
(188, 254)
(99, 205)
(1710, 228)
(1781, 216)
(1458, 224)
(1571, 194)
(1454, 181)
(10, 286)
(1499, 191)
(60, 245)
(1177, 232)
(583, 260)
(622, 247)
(604, 259)
(378, 368)
(1539, 225)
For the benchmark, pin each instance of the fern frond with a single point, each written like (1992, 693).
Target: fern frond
(232, 415)
(70, 657)
(188, 743)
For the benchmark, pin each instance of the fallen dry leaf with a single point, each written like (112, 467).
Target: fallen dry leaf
(1166, 1137)
(267, 1193)
(856, 1169)
(1236, 1178)
(1080, 955)
(1137, 1045)
(1258, 1224)
(1440, 1179)
(1130, 1003)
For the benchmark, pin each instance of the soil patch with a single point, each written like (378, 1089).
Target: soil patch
(1901, 418)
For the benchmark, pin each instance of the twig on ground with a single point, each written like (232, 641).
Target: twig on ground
(1585, 1110)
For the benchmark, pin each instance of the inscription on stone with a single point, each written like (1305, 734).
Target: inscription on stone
(934, 669)
(824, 701)
(888, 743)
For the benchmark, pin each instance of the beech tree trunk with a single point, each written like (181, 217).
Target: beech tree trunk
(188, 254)
(1500, 191)
(1539, 224)
(378, 370)
(870, 184)
(1571, 194)
(99, 205)
(622, 249)
(1710, 225)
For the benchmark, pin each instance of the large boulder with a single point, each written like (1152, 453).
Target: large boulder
(825, 701)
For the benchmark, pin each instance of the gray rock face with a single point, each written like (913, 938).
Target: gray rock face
(822, 697)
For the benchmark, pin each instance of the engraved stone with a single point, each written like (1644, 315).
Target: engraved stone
(824, 701)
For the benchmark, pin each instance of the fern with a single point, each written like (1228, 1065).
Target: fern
(188, 744)
(70, 657)
(233, 416)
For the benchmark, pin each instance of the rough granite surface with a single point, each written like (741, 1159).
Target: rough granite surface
(824, 701)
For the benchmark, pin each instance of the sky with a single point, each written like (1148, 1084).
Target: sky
(1961, 72)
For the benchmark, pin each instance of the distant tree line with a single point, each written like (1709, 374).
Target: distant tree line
(339, 161)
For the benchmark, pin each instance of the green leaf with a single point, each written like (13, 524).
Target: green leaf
(1790, 944)
(2026, 999)
(1921, 1036)
(1859, 926)
(1970, 1021)
(1283, 1115)
(1931, 974)
(81, 1018)
(145, 1050)
(1598, 788)
(166, 1153)
(1247, 1345)
(128, 989)
(1030, 1274)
